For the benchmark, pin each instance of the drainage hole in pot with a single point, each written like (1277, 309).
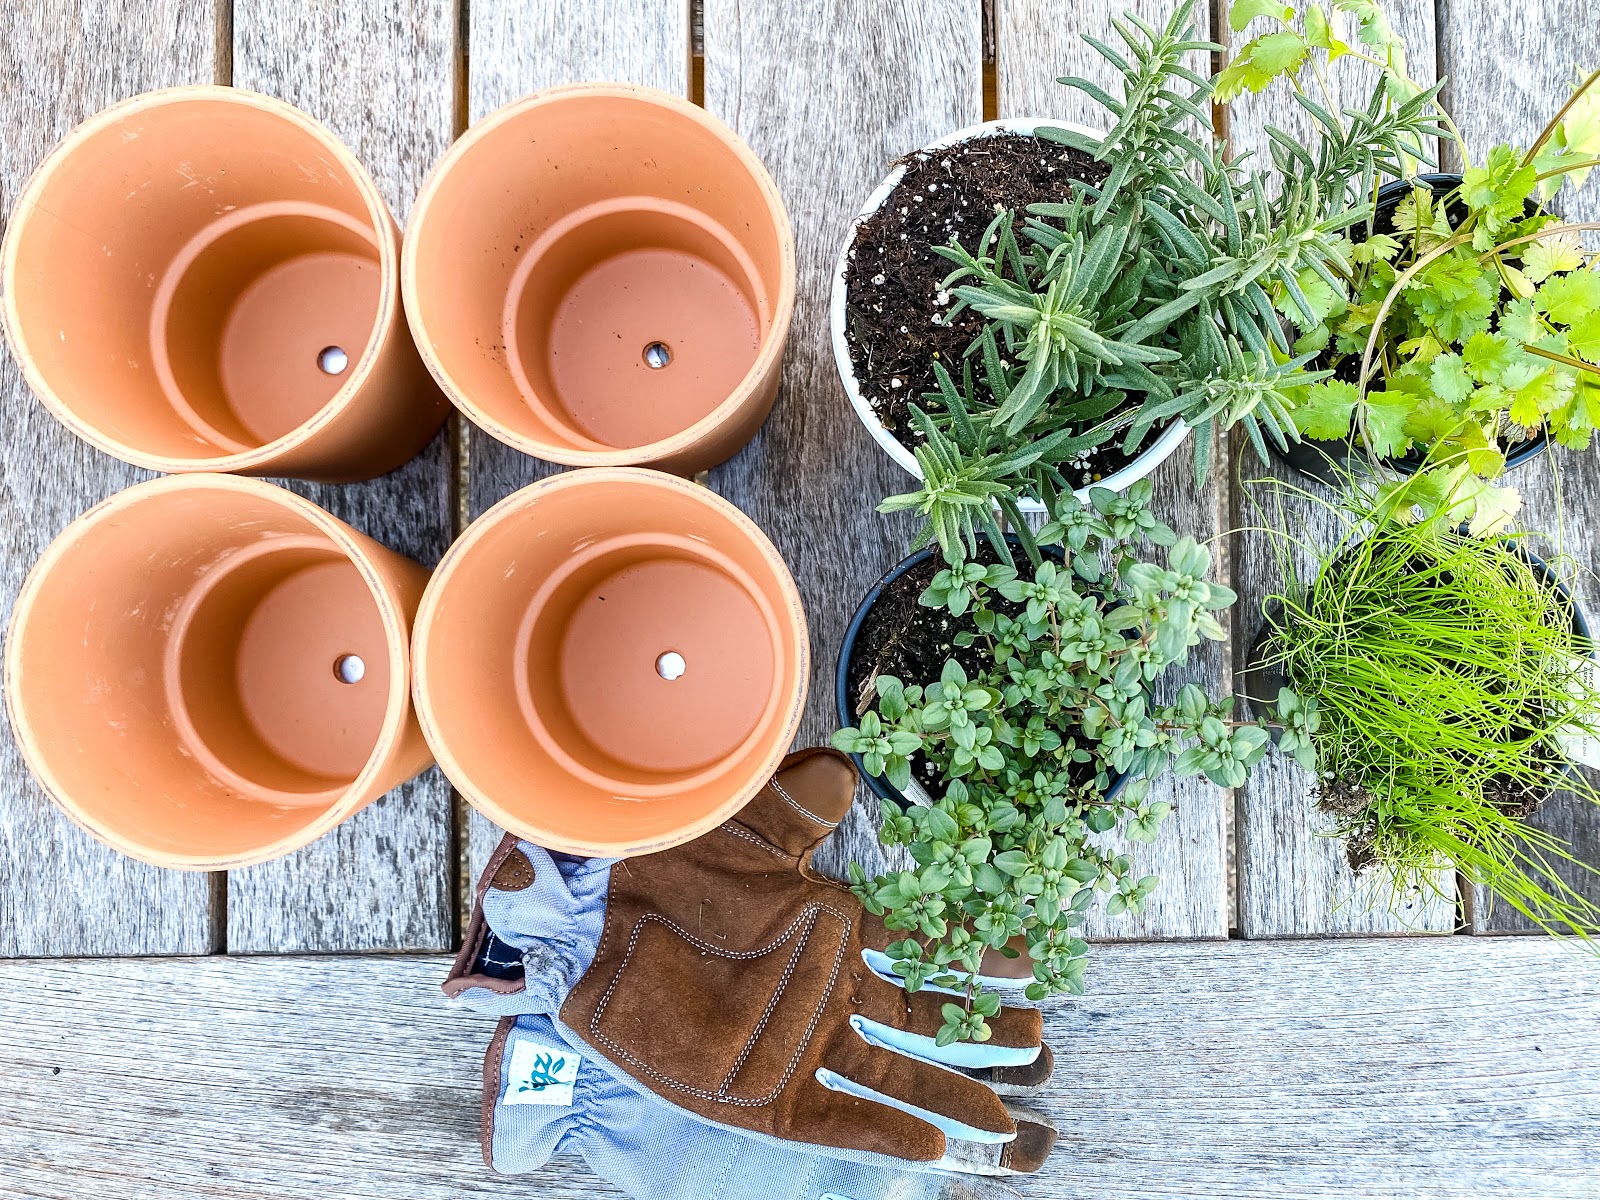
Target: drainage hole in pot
(671, 665)
(348, 668)
(333, 360)
(657, 355)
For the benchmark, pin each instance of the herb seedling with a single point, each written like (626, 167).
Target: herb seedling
(1026, 747)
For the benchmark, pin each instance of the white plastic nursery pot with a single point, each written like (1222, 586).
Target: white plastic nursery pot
(206, 671)
(206, 279)
(1152, 457)
(604, 275)
(611, 662)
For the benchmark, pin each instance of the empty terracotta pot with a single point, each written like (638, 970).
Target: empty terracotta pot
(206, 279)
(206, 671)
(611, 662)
(603, 275)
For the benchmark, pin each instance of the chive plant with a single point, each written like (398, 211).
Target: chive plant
(1446, 682)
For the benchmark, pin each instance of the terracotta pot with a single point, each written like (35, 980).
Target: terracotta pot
(1152, 457)
(206, 671)
(611, 662)
(205, 279)
(603, 275)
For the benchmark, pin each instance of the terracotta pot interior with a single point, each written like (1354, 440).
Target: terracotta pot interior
(598, 272)
(601, 683)
(198, 278)
(206, 673)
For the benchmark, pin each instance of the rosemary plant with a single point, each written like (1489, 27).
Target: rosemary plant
(1165, 293)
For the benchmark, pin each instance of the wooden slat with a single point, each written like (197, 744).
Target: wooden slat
(60, 891)
(1509, 71)
(1036, 41)
(828, 94)
(1293, 880)
(516, 47)
(384, 82)
(1260, 1070)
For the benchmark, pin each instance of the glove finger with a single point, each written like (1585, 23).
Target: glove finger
(803, 802)
(909, 1023)
(953, 1104)
(1036, 1137)
(1025, 1080)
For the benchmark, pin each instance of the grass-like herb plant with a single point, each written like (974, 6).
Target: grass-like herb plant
(1023, 743)
(1472, 322)
(1444, 682)
(1169, 291)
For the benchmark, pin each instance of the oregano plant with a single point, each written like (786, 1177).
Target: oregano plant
(1038, 738)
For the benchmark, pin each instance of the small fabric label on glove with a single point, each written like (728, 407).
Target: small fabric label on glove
(541, 1074)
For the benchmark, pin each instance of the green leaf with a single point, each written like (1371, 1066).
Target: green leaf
(1385, 414)
(1449, 377)
(1325, 410)
(1319, 32)
(1550, 256)
(1242, 12)
(1570, 297)
(1279, 53)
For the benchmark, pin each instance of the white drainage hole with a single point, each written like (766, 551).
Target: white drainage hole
(670, 665)
(348, 668)
(333, 360)
(657, 355)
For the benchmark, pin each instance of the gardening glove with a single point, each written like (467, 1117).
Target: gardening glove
(730, 979)
(541, 1097)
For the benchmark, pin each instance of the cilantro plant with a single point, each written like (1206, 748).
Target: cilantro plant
(1164, 293)
(1021, 746)
(1473, 324)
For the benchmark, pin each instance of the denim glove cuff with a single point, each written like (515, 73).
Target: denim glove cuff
(535, 925)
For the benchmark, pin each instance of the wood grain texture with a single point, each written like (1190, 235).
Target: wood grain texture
(383, 80)
(61, 892)
(1036, 41)
(515, 47)
(1509, 71)
(1444, 1069)
(1293, 879)
(829, 94)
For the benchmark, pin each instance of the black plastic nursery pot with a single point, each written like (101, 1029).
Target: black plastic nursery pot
(1260, 681)
(1332, 462)
(844, 693)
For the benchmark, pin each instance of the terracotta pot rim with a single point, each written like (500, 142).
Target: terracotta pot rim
(427, 612)
(386, 238)
(397, 640)
(773, 338)
(1142, 465)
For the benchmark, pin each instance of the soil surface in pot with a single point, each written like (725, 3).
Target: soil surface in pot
(893, 276)
(900, 637)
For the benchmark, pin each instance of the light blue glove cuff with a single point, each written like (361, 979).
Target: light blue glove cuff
(531, 940)
(550, 1098)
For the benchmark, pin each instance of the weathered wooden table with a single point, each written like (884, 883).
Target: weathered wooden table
(277, 1031)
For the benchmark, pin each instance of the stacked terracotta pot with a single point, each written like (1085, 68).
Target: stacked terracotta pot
(207, 671)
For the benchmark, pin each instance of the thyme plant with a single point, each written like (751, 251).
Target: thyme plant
(1046, 702)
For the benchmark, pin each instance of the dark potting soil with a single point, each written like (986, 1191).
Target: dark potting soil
(900, 637)
(893, 276)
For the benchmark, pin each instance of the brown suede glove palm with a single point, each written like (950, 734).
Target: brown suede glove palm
(733, 981)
